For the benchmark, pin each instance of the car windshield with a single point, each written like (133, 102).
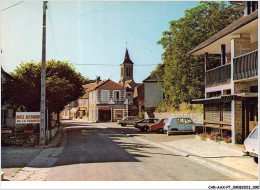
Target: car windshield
(254, 135)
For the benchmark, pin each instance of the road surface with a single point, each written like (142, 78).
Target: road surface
(103, 153)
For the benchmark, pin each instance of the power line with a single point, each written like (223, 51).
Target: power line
(12, 5)
(111, 65)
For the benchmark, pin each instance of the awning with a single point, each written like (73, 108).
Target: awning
(82, 109)
(74, 109)
(219, 99)
(132, 107)
(104, 109)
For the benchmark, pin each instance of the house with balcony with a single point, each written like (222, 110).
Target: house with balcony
(231, 83)
(107, 102)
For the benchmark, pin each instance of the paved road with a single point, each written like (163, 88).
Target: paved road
(98, 153)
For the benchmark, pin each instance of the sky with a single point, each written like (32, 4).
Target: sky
(89, 32)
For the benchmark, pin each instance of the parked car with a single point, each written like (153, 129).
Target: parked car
(179, 124)
(158, 126)
(129, 120)
(143, 124)
(251, 144)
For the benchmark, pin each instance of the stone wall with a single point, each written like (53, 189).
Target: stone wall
(196, 117)
(20, 139)
(240, 87)
(238, 122)
(242, 45)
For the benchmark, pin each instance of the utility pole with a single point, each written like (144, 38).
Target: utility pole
(43, 77)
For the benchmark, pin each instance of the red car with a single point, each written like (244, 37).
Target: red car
(158, 126)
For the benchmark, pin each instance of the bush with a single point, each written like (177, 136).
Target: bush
(215, 136)
(189, 107)
(228, 140)
(203, 136)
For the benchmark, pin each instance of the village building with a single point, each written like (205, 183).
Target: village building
(139, 97)
(231, 87)
(107, 102)
(153, 95)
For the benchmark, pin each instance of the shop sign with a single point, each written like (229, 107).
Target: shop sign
(27, 117)
(118, 106)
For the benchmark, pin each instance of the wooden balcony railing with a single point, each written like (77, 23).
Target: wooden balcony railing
(219, 75)
(245, 66)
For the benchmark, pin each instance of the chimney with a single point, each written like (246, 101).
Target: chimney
(97, 79)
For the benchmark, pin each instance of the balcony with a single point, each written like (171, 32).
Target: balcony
(245, 66)
(218, 75)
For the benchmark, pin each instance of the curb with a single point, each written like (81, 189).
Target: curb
(225, 170)
(54, 142)
(59, 136)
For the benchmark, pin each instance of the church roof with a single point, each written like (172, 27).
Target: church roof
(127, 57)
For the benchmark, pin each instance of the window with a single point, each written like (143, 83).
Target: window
(188, 120)
(105, 95)
(180, 121)
(254, 89)
(129, 97)
(254, 135)
(128, 71)
(118, 114)
(116, 95)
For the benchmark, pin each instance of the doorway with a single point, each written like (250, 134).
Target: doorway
(104, 115)
(249, 116)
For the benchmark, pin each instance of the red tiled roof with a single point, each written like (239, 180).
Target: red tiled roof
(109, 85)
(88, 87)
(227, 30)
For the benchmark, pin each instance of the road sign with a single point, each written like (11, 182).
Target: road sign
(27, 117)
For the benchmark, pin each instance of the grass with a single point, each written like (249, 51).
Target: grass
(185, 108)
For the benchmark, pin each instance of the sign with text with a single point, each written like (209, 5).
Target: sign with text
(27, 117)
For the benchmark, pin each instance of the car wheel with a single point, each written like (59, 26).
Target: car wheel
(256, 159)
(145, 128)
(123, 124)
(160, 130)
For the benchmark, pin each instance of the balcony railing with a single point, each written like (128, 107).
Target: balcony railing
(246, 66)
(219, 75)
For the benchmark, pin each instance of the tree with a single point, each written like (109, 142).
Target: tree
(63, 85)
(183, 74)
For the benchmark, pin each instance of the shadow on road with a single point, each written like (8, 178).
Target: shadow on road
(95, 145)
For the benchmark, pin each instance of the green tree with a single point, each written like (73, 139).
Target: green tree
(63, 85)
(183, 74)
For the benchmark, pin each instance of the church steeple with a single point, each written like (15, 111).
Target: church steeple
(126, 68)
(127, 57)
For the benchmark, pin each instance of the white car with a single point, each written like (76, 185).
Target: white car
(129, 120)
(251, 144)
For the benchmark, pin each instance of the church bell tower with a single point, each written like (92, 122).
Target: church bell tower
(126, 68)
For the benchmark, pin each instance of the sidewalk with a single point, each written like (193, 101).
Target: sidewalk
(11, 165)
(226, 158)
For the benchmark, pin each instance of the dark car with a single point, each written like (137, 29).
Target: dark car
(143, 124)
